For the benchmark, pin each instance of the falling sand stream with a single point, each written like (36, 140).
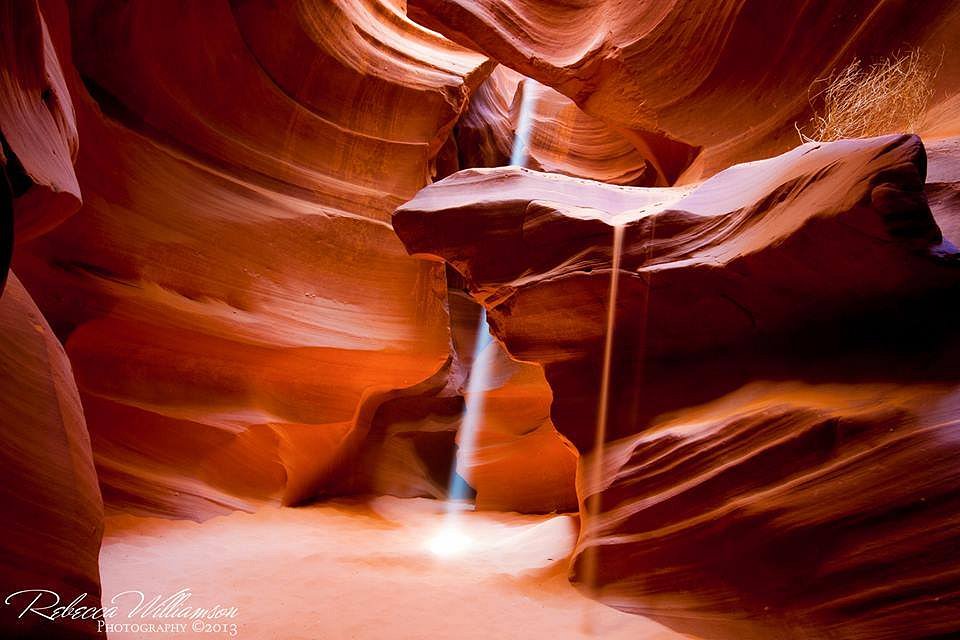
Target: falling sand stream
(594, 473)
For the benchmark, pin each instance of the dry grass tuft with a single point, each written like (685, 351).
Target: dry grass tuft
(889, 96)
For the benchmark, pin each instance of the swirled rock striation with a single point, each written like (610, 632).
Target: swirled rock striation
(783, 401)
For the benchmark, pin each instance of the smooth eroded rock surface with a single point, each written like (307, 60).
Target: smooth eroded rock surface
(560, 137)
(732, 79)
(49, 500)
(782, 408)
(37, 123)
(232, 296)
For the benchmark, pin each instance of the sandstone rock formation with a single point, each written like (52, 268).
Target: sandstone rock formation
(943, 185)
(303, 352)
(562, 139)
(789, 509)
(202, 196)
(705, 253)
(519, 462)
(49, 500)
(37, 123)
(233, 299)
(731, 78)
(731, 509)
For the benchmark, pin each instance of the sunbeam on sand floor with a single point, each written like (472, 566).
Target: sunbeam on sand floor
(363, 570)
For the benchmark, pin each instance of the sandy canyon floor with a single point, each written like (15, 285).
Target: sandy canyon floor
(364, 570)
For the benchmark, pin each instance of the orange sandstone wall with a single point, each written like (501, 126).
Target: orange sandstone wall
(232, 296)
(779, 457)
(699, 85)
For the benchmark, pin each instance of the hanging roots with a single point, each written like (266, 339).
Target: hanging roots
(889, 96)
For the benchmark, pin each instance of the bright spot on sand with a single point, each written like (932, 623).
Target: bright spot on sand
(450, 541)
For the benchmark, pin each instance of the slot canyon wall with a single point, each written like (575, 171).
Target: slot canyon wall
(226, 225)
(783, 425)
(698, 86)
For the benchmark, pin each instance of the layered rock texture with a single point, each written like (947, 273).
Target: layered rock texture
(232, 297)
(37, 122)
(562, 138)
(729, 79)
(518, 463)
(210, 309)
(730, 507)
(49, 501)
(243, 322)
